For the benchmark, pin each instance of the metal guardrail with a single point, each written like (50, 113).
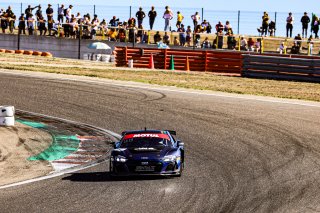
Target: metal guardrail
(273, 67)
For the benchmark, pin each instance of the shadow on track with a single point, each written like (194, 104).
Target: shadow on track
(106, 177)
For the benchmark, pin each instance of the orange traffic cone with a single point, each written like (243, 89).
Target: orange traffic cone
(151, 62)
(187, 64)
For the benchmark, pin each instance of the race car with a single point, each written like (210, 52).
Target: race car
(147, 152)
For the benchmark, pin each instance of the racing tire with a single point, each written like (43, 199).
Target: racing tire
(2, 50)
(46, 54)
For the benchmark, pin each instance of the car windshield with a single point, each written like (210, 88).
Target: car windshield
(134, 141)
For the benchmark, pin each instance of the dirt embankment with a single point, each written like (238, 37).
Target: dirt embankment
(17, 144)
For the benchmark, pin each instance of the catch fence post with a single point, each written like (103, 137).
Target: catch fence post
(202, 14)
(94, 9)
(238, 22)
(275, 22)
(130, 12)
(21, 8)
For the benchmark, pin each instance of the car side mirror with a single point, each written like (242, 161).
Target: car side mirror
(180, 143)
(114, 144)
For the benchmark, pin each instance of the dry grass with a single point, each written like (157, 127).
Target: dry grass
(195, 80)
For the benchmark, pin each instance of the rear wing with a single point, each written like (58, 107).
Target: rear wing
(172, 132)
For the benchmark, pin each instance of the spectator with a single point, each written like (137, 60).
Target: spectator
(228, 28)
(157, 37)
(295, 49)
(282, 48)
(152, 16)
(68, 13)
(180, 17)
(257, 45)
(31, 24)
(140, 33)
(166, 38)
(60, 13)
(251, 44)
(265, 23)
(94, 26)
(11, 19)
(78, 18)
(206, 43)
(122, 35)
(196, 41)
(39, 13)
(49, 12)
(289, 25)
(114, 21)
(204, 25)
(219, 27)
(22, 25)
(112, 35)
(132, 22)
(29, 10)
(316, 26)
(272, 28)
(42, 26)
(182, 35)
(195, 18)
(243, 44)
(9, 12)
(4, 22)
(168, 15)
(231, 42)
(305, 20)
(140, 16)
(176, 41)
(188, 36)
(55, 28)
(145, 38)
(298, 40)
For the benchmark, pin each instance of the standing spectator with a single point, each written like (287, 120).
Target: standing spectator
(152, 16)
(180, 17)
(168, 15)
(195, 18)
(206, 43)
(29, 10)
(42, 26)
(4, 22)
(49, 12)
(39, 13)
(265, 23)
(60, 13)
(94, 26)
(316, 26)
(176, 41)
(305, 20)
(251, 44)
(310, 44)
(31, 24)
(22, 24)
(69, 13)
(289, 26)
(140, 16)
(182, 35)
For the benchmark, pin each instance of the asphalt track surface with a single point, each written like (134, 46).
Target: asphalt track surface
(242, 155)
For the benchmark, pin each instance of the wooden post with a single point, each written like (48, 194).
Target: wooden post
(206, 61)
(126, 54)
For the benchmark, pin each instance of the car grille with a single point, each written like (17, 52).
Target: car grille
(132, 166)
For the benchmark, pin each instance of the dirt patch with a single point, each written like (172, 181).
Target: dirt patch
(16, 145)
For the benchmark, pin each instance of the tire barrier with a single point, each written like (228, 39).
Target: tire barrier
(46, 54)
(7, 115)
(10, 51)
(19, 51)
(37, 53)
(2, 50)
(28, 52)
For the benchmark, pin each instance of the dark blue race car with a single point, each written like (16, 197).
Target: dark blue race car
(147, 152)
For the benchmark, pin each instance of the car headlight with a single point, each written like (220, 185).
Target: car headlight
(120, 158)
(169, 158)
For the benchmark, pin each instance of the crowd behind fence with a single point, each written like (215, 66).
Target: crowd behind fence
(56, 21)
